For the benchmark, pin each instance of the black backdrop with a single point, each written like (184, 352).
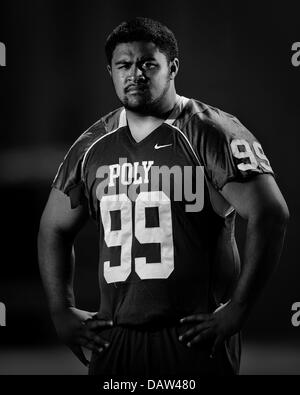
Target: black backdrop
(233, 56)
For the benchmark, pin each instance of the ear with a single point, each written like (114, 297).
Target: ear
(109, 69)
(174, 67)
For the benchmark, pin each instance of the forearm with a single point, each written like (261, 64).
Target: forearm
(264, 241)
(56, 262)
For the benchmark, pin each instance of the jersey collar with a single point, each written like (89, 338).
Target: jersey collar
(181, 102)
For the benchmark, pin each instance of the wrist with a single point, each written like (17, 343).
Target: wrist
(242, 306)
(61, 309)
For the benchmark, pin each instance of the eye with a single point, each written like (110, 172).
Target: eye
(149, 65)
(124, 66)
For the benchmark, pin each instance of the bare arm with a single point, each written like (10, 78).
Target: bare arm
(262, 205)
(58, 228)
(260, 202)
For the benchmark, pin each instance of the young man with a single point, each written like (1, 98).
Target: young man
(173, 295)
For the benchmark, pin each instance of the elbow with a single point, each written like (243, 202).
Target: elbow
(280, 215)
(273, 217)
(285, 214)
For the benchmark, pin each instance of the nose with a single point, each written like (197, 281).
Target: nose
(136, 73)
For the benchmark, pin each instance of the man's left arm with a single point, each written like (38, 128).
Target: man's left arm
(260, 202)
(262, 205)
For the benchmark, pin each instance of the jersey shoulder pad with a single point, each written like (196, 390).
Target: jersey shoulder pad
(68, 178)
(112, 119)
(226, 148)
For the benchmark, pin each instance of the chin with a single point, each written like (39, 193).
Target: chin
(137, 105)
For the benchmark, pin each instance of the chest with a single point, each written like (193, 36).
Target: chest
(162, 161)
(140, 131)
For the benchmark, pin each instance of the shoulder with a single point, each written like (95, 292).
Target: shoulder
(208, 121)
(93, 133)
(68, 178)
(111, 121)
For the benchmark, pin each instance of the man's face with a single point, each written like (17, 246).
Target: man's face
(141, 75)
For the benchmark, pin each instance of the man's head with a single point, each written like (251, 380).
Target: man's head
(142, 57)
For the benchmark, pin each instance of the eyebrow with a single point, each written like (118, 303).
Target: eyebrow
(122, 61)
(143, 59)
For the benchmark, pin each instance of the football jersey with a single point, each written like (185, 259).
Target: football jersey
(166, 234)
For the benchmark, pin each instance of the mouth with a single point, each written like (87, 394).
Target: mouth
(135, 89)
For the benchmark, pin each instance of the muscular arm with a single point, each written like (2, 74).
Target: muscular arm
(262, 205)
(59, 226)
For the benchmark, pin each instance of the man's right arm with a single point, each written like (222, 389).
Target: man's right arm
(59, 226)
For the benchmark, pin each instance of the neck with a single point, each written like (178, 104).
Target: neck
(161, 112)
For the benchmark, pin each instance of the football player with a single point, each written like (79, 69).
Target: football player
(163, 177)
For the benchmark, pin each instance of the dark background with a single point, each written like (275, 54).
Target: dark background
(233, 56)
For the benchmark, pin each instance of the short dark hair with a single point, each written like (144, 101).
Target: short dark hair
(143, 29)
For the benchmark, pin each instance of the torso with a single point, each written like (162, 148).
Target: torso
(156, 259)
